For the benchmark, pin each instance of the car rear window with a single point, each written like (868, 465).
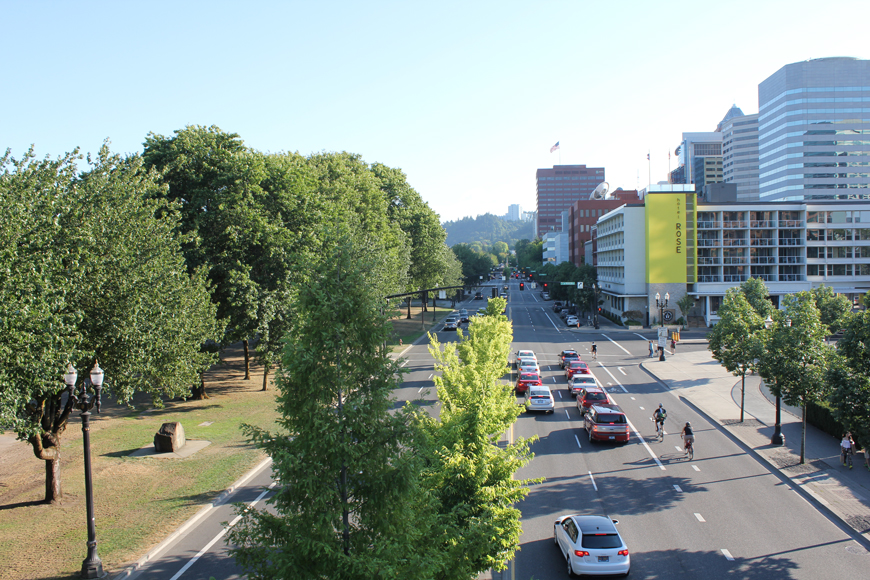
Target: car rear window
(601, 541)
(611, 418)
(596, 396)
(529, 377)
(540, 395)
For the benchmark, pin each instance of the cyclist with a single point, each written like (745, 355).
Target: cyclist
(846, 447)
(594, 350)
(659, 417)
(688, 436)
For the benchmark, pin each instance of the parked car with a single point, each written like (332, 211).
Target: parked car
(545, 295)
(526, 380)
(557, 306)
(563, 314)
(579, 382)
(576, 367)
(606, 422)
(589, 396)
(567, 355)
(591, 545)
(451, 323)
(539, 398)
(572, 321)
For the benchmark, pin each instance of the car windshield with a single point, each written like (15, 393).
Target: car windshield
(611, 418)
(601, 541)
(596, 396)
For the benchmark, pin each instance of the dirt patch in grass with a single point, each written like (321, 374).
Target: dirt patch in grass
(138, 501)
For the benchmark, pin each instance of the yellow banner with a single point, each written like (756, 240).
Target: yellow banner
(666, 243)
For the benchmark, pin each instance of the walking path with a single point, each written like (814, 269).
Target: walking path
(702, 382)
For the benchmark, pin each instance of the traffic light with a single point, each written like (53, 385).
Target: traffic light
(545, 285)
(522, 286)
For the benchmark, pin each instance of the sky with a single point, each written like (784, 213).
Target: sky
(467, 98)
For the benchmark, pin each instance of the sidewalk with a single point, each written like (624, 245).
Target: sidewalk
(701, 381)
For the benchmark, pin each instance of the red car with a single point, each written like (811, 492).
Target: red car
(591, 396)
(525, 380)
(576, 367)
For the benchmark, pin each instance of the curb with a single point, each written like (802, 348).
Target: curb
(218, 501)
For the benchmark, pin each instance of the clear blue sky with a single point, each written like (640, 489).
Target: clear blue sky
(466, 97)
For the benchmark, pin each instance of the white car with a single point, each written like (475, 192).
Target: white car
(526, 354)
(539, 398)
(572, 321)
(591, 545)
(528, 365)
(579, 382)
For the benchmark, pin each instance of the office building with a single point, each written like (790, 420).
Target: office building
(695, 147)
(814, 131)
(515, 212)
(585, 213)
(556, 244)
(740, 152)
(558, 188)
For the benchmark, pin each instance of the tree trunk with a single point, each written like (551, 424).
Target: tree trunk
(199, 393)
(247, 361)
(804, 434)
(266, 377)
(53, 492)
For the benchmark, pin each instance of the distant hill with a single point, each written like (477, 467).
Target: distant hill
(487, 229)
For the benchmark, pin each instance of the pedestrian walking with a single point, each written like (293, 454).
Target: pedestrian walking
(594, 350)
(867, 457)
(846, 446)
(650, 349)
(674, 345)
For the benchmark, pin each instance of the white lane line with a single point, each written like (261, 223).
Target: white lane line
(616, 343)
(220, 535)
(678, 448)
(420, 390)
(432, 375)
(566, 412)
(554, 379)
(642, 336)
(643, 442)
(622, 371)
(560, 394)
(404, 363)
(677, 488)
(642, 409)
(727, 555)
(700, 517)
(612, 377)
(551, 322)
(695, 467)
(577, 439)
(593, 480)
(633, 399)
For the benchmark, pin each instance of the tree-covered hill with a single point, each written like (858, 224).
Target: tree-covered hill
(487, 229)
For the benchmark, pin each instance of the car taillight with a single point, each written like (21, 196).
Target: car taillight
(595, 427)
(582, 553)
(623, 552)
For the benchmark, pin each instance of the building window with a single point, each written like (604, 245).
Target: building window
(815, 235)
(815, 270)
(839, 269)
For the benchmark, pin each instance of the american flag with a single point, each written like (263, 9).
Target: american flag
(647, 156)
(554, 147)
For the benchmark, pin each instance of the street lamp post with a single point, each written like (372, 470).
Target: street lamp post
(777, 437)
(596, 290)
(92, 566)
(661, 305)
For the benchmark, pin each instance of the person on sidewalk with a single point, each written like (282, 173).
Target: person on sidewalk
(650, 349)
(846, 446)
(594, 351)
(688, 436)
(674, 345)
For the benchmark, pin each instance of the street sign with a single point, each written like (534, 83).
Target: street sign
(566, 283)
(663, 336)
(579, 285)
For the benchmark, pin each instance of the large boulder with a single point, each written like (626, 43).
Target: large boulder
(170, 438)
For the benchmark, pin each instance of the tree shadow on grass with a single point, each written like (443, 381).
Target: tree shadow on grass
(21, 504)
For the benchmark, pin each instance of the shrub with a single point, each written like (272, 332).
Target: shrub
(821, 416)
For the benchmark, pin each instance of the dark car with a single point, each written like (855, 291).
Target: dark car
(463, 315)
(606, 422)
(567, 355)
(478, 296)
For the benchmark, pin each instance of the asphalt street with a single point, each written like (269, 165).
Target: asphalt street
(721, 515)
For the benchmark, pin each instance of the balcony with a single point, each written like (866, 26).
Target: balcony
(763, 260)
(734, 242)
(708, 278)
(709, 261)
(734, 278)
(705, 225)
(791, 278)
(708, 243)
(762, 241)
(738, 260)
(790, 242)
(734, 224)
(791, 223)
(791, 260)
(765, 277)
(762, 223)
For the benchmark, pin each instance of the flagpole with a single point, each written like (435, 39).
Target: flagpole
(669, 166)
(648, 170)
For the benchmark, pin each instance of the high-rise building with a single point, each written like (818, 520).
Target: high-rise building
(740, 152)
(515, 212)
(814, 131)
(558, 188)
(695, 146)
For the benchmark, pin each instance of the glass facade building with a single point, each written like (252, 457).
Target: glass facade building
(814, 131)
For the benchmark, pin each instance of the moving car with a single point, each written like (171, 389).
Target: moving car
(579, 382)
(526, 380)
(478, 296)
(567, 355)
(591, 545)
(528, 365)
(526, 354)
(463, 315)
(545, 295)
(452, 323)
(606, 422)
(576, 367)
(539, 398)
(591, 396)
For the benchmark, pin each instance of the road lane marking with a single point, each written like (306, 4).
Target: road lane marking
(577, 439)
(677, 487)
(622, 371)
(430, 376)
(633, 399)
(640, 335)
(566, 412)
(727, 555)
(678, 448)
(642, 409)
(612, 377)
(644, 443)
(695, 467)
(220, 535)
(700, 517)
(420, 390)
(616, 343)
(551, 322)
(560, 394)
(593, 480)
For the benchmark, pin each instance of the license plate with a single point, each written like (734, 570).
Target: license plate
(539, 402)
(611, 437)
(604, 558)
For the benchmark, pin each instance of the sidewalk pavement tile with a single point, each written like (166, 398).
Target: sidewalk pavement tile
(701, 380)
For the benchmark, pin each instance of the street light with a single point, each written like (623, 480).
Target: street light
(661, 305)
(596, 291)
(92, 566)
(777, 437)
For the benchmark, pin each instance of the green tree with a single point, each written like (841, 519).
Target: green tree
(850, 378)
(685, 303)
(735, 340)
(350, 505)
(91, 272)
(757, 294)
(794, 359)
(474, 264)
(833, 308)
(469, 473)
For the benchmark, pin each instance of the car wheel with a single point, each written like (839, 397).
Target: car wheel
(627, 573)
(570, 569)
(555, 539)
(591, 440)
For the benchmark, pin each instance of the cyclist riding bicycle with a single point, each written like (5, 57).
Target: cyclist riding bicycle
(659, 417)
(846, 448)
(688, 436)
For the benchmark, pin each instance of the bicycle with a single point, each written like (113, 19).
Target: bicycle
(690, 449)
(660, 430)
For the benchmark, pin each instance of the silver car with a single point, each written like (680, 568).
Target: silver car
(539, 398)
(591, 545)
